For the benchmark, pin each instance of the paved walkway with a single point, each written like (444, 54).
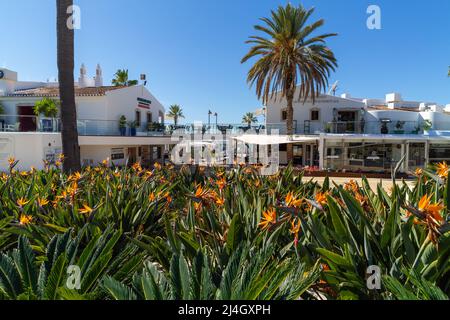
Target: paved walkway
(386, 183)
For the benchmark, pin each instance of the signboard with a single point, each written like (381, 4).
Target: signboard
(143, 103)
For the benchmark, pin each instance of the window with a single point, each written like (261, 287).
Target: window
(138, 118)
(149, 117)
(283, 115)
(315, 115)
(283, 147)
(439, 153)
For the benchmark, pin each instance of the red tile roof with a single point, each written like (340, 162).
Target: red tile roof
(54, 91)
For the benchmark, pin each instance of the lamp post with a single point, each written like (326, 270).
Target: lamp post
(209, 117)
(215, 115)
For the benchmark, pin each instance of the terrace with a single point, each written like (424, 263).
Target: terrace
(94, 127)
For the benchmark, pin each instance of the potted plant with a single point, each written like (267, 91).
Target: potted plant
(328, 128)
(399, 127)
(133, 126)
(123, 125)
(427, 126)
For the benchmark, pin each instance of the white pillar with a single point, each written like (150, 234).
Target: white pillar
(427, 153)
(321, 153)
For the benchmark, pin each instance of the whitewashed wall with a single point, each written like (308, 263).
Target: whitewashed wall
(302, 111)
(29, 148)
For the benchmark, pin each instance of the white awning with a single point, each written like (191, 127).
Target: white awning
(264, 139)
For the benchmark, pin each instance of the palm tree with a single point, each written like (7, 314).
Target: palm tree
(249, 118)
(175, 112)
(69, 132)
(121, 79)
(290, 56)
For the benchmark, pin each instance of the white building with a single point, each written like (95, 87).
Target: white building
(369, 135)
(32, 139)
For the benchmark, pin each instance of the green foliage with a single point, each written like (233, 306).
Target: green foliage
(195, 234)
(175, 112)
(122, 122)
(249, 118)
(47, 107)
(121, 79)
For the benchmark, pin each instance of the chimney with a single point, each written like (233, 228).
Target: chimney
(98, 76)
(82, 80)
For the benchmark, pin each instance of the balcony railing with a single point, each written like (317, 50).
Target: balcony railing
(28, 123)
(374, 127)
(88, 127)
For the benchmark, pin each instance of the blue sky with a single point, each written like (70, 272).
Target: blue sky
(191, 49)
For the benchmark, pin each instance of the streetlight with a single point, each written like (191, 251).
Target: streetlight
(215, 115)
(209, 117)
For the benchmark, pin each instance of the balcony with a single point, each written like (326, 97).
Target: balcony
(385, 126)
(112, 128)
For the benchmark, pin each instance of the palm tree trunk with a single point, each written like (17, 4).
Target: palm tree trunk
(69, 133)
(290, 125)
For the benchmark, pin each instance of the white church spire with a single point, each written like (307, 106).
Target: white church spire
(82, 81)
(98, 76)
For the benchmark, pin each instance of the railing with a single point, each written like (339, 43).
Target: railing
(28, 123)
(374, 127)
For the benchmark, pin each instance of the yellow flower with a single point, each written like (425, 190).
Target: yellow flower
(24, 173)
(220, 201)
(61, 157)
(168, 197)
(198, 206)
(418, 172)
(269, 218)
(11, 161)
(42, 202)
(137, 167)
(431, 210)
(148, 174)
(442, 170)
(151, 197)
(295, 228)
(157, 166)
(25, 219)
(292, 201)
(105, 162)
(21, 202)
(202, 193)
(321, 198)
(76, 176)
(62, 196)
(86, 209)
(221, 183)
(351, 186)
